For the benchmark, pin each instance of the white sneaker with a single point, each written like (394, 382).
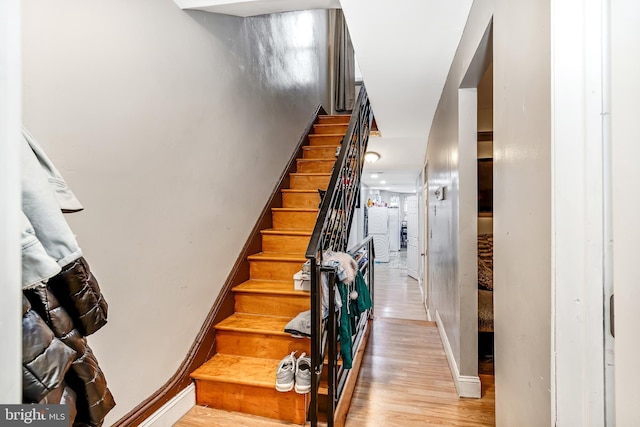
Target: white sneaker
(285, 375)
(303, 374)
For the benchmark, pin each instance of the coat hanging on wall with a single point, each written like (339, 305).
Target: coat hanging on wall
(62, 301)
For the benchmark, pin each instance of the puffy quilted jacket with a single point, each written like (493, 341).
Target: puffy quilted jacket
(45, 359)
(94, 400)
(78, 292)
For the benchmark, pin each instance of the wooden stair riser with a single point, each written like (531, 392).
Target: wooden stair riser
(320, 152)
(263, 345)
(254, 400)
(331, 129)
(309, 182)
(315, 166)
(297, 220)
(283, 243)
(325, 370)
(274, 270)
(306, 200)
(323, 402)
(325, 139)
(337, 119)
(273, 305)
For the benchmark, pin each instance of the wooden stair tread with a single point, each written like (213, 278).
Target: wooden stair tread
(315, 160)
(255, 323)
(287, 232)
(251, 371)
(275, 287)
(313, 147)
(310, 174)
(298, 191)
(295, 209)
(335, 127)
(291, 230)
(274, 256)
(343, 117)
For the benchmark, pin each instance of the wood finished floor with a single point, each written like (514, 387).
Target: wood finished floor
(404, 380)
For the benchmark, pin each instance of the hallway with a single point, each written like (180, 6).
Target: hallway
(404, 378)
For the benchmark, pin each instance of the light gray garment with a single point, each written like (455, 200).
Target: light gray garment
(37, 265)
(67, 201)
(41, 207)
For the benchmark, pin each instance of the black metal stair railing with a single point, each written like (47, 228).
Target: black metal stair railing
(331, 232)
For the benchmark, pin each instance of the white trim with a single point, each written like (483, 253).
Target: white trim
(10, 224)
(466, 385)
(173, 410)
(247, 8)
(624, 151)
(429, 318)
(577, 247)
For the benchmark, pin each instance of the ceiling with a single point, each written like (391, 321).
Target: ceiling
(255, 7)
(404, 51)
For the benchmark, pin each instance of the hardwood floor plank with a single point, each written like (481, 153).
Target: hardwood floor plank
(201, 416)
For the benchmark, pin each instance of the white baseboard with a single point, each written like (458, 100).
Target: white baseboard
(467, 386)
(426, 307)
(173, 410)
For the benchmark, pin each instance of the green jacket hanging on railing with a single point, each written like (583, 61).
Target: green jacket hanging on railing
(350, 311)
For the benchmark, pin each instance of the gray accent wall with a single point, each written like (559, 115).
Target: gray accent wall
(172, 128)
(522, 209)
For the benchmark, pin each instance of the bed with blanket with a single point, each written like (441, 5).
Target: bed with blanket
(485, 283)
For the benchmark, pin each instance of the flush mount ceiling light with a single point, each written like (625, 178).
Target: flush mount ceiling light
(371, 157)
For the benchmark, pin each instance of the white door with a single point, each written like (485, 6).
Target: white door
(625, 202)
(412, 237)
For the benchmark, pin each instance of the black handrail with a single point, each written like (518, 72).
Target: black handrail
(331, 232)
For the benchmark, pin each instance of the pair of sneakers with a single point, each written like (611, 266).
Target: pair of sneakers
(294, 372)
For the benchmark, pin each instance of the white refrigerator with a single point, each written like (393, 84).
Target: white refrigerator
(378, 218)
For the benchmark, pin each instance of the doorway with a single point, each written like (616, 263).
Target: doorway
(485, 262)
(412, 237)
(475, 220)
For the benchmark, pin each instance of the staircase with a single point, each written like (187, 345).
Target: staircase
(251, 342)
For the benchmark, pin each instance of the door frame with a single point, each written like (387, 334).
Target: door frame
(579, 188)
(10, 263)
(417, 225)
(624, 37)
(426, 276)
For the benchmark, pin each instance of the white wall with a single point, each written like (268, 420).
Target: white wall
(453, 221)
(522, 213)
(172, 128)
(522, 207)
(11, 301)
(356, 234)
